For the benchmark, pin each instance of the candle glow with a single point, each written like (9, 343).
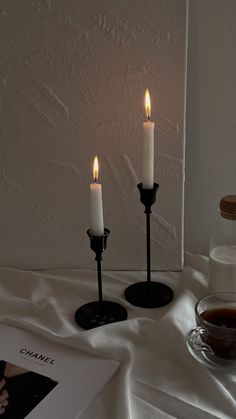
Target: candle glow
(95, 169)
(148, 104)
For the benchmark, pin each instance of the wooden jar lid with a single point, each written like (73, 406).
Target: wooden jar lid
(228, 207)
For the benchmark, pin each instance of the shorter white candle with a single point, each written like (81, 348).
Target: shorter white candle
(96, 209)
(148, 147)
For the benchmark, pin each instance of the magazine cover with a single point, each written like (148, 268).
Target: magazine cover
(41, 379)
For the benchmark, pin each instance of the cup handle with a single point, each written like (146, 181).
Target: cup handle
(196, 343)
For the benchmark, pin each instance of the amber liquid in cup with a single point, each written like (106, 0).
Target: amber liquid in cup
(221, 331)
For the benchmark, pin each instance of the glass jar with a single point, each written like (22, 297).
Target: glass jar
(222, 252)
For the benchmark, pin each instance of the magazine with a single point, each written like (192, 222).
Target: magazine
(40, 379)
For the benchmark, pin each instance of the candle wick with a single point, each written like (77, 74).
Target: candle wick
(95, 179)
(148, 117)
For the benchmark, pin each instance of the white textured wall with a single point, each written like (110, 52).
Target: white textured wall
(211, 120)
(73, 75)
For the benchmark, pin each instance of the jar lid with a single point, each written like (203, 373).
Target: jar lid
(228, 207)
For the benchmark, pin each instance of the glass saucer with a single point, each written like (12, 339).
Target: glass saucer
(200, 356)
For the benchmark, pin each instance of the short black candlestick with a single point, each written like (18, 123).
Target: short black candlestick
(148, 294)
(98, 313)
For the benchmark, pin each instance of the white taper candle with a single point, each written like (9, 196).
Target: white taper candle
(96, 207)
(148, 147)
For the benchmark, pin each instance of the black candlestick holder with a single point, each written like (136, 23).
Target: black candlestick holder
(148, 294)
(98, 313)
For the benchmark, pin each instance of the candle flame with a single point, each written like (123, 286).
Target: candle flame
(147, 104)
(95, 169)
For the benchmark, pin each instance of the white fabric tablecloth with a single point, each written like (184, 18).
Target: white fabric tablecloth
(158, 377)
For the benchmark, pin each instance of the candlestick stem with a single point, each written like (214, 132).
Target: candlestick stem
(99, 276)
(148, 245)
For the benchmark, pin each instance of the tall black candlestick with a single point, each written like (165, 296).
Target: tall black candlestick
(148, 294)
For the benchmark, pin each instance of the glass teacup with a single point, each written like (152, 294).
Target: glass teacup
(215, 333)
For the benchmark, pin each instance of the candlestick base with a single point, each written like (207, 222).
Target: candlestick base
(95, 314)
(149, 294)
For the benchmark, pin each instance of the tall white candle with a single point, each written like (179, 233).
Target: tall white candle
(148, 147)
(96, 209)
